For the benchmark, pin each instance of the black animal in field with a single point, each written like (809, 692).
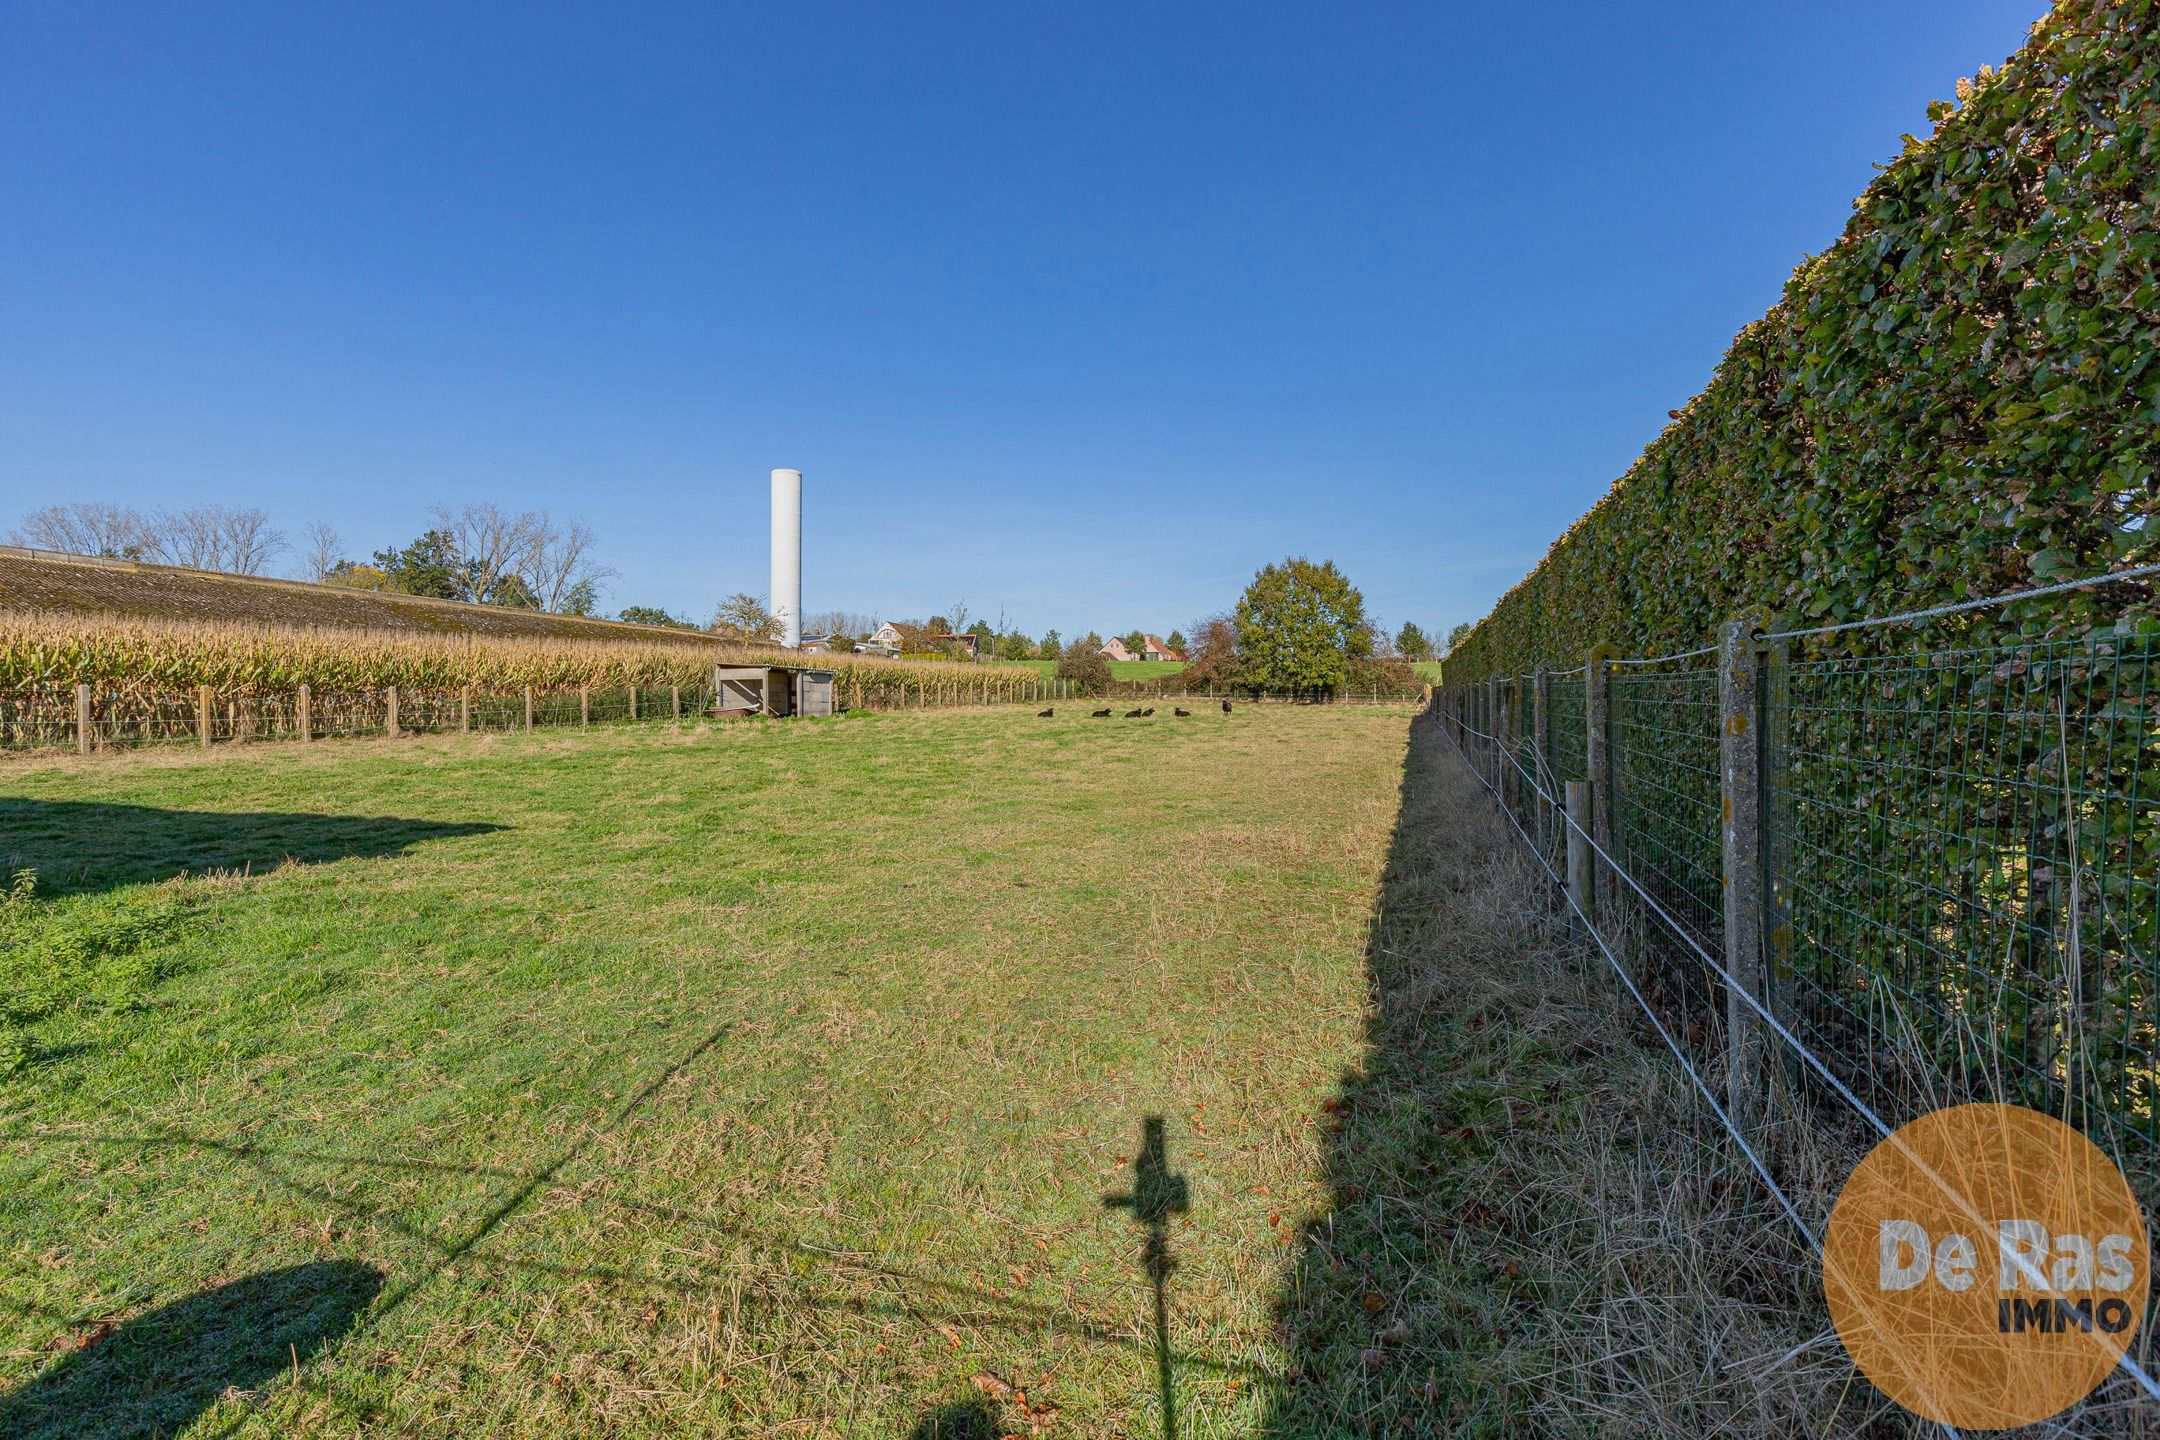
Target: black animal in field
(1149, 711)
(1181, 712)
(1226, 707)
(1046, 714)
(1099, 715)
(1134, 714)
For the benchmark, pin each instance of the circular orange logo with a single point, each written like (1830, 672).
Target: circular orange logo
(1986, 1266)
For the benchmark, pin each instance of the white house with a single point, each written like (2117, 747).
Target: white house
(1114, 649)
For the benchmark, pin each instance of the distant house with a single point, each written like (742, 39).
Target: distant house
(1156, 650)
(885, 640)
(967, 640)
(815, 644)
(1114, 649)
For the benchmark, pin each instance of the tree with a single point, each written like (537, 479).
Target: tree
(1300, 626)
(325, 549)
(1176, 641)
(560, 567)
(211, 537)
(430, 565)
(514, 594)
(583, 598)
(1085, 667)
(492, 545)
(744, 616)
(1455, 636)
(354, 576)
(649, 615)
(1134, 641)
(1049, 648)
(1410, 642)
(1090, 642)
(89, 527)
(1015, 646)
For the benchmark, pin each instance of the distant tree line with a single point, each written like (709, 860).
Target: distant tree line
(480, 553)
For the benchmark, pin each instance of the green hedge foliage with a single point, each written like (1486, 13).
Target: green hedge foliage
(1960, 398)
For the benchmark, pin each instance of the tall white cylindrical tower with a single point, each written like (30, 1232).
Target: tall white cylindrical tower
(787, 555)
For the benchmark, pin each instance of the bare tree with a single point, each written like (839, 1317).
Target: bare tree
(494, 545)
(211, 537)
(90, 527)
(745, 616)
(325, 548)
(560, 560)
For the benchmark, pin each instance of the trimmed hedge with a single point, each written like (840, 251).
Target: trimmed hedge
(1960, 398)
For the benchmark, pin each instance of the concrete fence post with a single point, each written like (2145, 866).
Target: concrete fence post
(83, 731)
(1740, 772)
(305, 718)
(1598, 771)
(202, 714)
(1578, 848)
(390, 725)
(528, 707)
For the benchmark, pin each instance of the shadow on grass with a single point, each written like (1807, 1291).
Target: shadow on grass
(82, 846)
(1378, 1308)
(159, 1372)
(961, 1420)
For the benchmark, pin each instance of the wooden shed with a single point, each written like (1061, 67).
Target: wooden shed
(771, 690)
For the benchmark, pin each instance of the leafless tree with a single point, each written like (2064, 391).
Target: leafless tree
(325, 548)
(90, 527)
(494, 544)
(746, 616)
(560, 560)
(211, 537)
(850, 623)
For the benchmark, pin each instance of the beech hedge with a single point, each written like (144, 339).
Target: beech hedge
(1960, 398)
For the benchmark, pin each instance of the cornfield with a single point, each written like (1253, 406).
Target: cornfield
(149, 675)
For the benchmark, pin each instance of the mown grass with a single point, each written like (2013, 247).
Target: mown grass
(752, 1079)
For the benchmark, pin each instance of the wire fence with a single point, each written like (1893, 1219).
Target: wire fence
(1959, 854)
(112, 717)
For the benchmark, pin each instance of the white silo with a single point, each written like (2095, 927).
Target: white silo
(787, 555)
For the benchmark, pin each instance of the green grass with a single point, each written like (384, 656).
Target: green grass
(765, 1078)
(1429, 669)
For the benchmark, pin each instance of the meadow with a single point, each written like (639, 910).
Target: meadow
(671, 1081)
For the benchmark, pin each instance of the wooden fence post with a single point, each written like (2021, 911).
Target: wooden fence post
(528, 707)
(305, 719)
(675, 700)
(1740, 771)
(1541, 753)
(584, 706)
(83, 732)
(390, 726)
(1578, 849)
(633, 702)
(1597, 770)
(464, 711)
(202, 715)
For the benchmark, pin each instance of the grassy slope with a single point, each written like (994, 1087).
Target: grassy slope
(737, 1077)
(164, 592)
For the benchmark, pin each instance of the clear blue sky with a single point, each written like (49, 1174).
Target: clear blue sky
(1081, 312)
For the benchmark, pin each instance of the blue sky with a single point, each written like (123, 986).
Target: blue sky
(1077, 313)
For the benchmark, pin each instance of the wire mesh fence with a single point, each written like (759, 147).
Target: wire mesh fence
(1960, 849)
(108, 717)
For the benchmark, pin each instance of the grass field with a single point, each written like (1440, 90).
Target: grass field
(1119, 669)
(769, 1078)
